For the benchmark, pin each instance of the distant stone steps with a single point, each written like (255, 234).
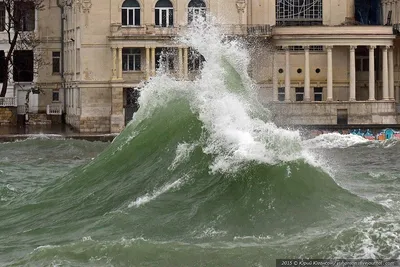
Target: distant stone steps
(38, 119)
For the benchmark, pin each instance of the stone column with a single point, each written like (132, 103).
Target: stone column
(180, 56)
(385, 74)
(274, 79)
(307, 73)
(372, 73)
(148, 63)
(114, 70)
(352, 73)
(185, 63)
(329, 75)
(119, 63)
(391, 74)
(153, 61)
(287, 74)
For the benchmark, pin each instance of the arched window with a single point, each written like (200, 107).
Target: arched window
(131, 13)
(298, 12)
(196, 10)
(164, 15)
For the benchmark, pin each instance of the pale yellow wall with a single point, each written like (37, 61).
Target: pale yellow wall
(335, 11)
(49, 26)
(99, 108)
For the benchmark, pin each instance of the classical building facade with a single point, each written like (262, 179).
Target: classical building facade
(318, 62)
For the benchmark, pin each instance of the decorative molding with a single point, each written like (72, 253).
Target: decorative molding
(85, 6)
(241, 5)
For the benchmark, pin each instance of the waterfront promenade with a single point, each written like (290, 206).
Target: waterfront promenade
(16, 133)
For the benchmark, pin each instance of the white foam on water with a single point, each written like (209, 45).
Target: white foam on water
(211, 232)
(335, 140)
(183, 151)
(235, 130)
(156, 193)
(377, 237)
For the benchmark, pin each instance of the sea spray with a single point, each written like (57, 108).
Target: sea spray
(244, 195)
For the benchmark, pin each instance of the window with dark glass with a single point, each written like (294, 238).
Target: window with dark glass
(196, 10)
(56, 60)
(299, 93)
(23, 66)
(317, 93)
(24, 16)
(164, 13)
(130, 13)
(2, 16)
(56, 96)
(3, 66)
(281, 94)
(131, 59)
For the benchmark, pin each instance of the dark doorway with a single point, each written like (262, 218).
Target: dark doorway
(131, 104)
(342, 117)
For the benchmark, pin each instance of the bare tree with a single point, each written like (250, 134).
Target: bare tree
(17, 20)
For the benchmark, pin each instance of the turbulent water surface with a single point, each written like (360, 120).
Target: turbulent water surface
(200, 177)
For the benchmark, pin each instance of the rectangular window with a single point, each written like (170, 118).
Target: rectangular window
(137, 16)
(3, 66)
(281, 94)
(124, 16)
(56, 96)
(56, 56)
(131, 59)
(299, 93)
(23, 66)
(24, 16)
(317, 93)
(2, 16)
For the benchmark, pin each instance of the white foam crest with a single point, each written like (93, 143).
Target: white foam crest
(156, 193)
(377, 237)
(236, 132)
(183, 151)
(335, 140)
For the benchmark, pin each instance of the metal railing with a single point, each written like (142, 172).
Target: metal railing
(8, 102)
(54, 109)
(117, 30)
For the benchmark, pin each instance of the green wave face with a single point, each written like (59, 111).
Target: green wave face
(200, 176)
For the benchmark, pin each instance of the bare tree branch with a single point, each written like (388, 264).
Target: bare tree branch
(20, 29)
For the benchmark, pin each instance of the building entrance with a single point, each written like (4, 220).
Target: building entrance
(131, 104)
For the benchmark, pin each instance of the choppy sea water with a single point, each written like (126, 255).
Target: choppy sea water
(200, 177)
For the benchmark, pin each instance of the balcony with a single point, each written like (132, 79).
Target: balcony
(54, 109)
(261, 30)
(8, 102)
(146, 31)
(119, 31)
